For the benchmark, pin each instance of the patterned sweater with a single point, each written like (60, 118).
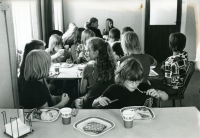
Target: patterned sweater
(175, 69)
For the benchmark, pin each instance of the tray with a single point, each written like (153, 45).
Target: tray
(43, 110)
(83, 122)
(142, 112)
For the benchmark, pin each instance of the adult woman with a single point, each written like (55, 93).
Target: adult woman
(98, 75)
(109, 26)
(92, 24)
(35, 92)
(131, 47)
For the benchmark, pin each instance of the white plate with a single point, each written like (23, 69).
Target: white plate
(43, 110)
(83, 122)
(140, 110)
(65, 65)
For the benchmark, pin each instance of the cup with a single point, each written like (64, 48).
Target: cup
(57, 67)
(128, 118)
(66, 115)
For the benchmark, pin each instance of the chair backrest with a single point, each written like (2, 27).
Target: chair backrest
(190, 71)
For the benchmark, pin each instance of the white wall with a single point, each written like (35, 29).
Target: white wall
(192, 28)
(6, 96)
(123, 12)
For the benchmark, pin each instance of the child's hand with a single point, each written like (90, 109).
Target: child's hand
(66, 47)
(78, 103)
(60, 53)
(103, 101)
(65, 99)
(153, 93)
(81, 55)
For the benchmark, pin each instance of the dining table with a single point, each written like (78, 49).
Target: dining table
(179, 122)
(72, 72)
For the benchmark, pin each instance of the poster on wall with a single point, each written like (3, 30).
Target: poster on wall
(163, 12)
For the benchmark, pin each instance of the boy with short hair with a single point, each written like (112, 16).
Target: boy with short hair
(175, 66)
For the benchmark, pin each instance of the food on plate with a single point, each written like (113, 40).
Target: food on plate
(48, 116)
(44, 114)
(36, 114)
(94, 127)
(143, 115)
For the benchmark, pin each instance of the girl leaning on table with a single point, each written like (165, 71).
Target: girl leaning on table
(35, 92)
(129, 89)
(97, 75)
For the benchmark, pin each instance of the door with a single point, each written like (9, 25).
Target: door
(157, 36)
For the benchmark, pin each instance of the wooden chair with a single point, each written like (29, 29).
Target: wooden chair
(180, 94)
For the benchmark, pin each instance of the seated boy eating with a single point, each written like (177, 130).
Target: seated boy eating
(175, 66)
(129, 89)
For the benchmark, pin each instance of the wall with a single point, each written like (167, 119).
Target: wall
(124, 13)
(6, 98)
(192, 28)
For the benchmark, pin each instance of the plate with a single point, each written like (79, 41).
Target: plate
(66, 65)
(142, 112)
(47, 109)
(83, 122)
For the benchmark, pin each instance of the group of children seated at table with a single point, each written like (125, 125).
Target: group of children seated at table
(103, 80)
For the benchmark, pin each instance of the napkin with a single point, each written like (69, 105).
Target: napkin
(23, 129)
(152, 73)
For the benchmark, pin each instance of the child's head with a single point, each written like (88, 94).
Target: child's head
(114, 35)
(33, 44)
(109, 25)
(37, 65)
(72, 27)
(129, 74)
(130, 43)
(55, 32)
(177, 42)
(126, 29)
(93, 22)
(101, 52)
(77, 37)
(86, 34)
(55, 43)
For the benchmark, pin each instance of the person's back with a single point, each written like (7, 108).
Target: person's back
(131, 47)
(35, 94)
(175, 66)
(98, 74)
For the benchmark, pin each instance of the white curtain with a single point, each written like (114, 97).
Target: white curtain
(58, 15)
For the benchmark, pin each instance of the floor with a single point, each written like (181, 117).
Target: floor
(192, 94)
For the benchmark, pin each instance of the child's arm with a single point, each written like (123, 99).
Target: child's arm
(157, 94)
(102, 101)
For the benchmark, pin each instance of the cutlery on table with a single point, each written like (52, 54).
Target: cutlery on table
(111, 101)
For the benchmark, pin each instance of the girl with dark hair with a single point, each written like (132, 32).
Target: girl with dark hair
(109, 26)
(129, 89)
(98, 74)
(92, 24)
